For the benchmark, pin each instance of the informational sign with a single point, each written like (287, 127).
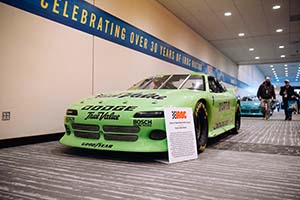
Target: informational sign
(180, 134)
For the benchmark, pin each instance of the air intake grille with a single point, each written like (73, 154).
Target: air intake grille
(121, 137)
(121, 129)
(85, 127)
(87, 135)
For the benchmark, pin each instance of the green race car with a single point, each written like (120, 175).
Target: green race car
(133, 120)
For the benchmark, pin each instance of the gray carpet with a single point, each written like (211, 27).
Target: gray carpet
(262, 162)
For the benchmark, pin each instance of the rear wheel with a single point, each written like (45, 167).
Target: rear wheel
(237, 121)
(201, 126)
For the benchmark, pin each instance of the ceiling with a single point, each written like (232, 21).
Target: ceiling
(258, 21)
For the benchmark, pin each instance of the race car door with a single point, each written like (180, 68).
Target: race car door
(220, 106)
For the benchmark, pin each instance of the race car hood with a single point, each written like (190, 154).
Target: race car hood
(143, 99)
(250, 104)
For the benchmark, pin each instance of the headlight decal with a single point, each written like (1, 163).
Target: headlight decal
(149, 114)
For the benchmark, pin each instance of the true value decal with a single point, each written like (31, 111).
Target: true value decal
(105, 112)
(102, 115)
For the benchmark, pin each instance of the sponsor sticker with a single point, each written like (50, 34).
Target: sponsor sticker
(102, 115)
(142, 122)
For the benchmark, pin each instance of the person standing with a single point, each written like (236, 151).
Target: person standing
(287, 92)
(266, 93)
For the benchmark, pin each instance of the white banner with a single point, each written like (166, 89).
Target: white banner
(180, 134)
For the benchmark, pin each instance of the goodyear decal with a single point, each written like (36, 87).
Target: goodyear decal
(88, 18)
(96, 145)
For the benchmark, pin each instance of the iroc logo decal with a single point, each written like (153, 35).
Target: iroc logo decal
(178, 114)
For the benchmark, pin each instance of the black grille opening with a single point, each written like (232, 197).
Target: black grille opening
(86, 127)
(121, 137)
(158, 135)
(121, 129)
(67, 129)
(88, 135)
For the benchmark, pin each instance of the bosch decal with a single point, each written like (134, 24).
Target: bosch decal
(133, 95)
(102, 115)
(142, 122)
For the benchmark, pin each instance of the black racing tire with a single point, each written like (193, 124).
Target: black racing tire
(201, 126)
(237, 121)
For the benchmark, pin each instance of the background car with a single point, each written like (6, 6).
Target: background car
(250, 106)
(133, 120)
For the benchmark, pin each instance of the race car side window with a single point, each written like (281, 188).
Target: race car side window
(215, 86)
(195, 82)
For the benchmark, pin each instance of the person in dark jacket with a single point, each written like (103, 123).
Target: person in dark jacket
(266, 94)
(287, 92)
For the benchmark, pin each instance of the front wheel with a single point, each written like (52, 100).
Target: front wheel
(201, 126)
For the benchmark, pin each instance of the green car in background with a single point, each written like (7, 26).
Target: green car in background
(133, 120)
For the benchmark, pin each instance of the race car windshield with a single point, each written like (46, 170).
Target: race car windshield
(160, 82)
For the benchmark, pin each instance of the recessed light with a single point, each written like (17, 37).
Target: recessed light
(227, 14)
(282, 56)
(277, 80)
(251, 49)
(285, 65)
(241, 34)
(271, 65)
(279, 30)
(273, 69)
(257, 57)
(275, 7)
(281, 47)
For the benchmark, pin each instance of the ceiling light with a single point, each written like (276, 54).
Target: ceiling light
(285, 65)
(251, 49)
(282, 56)
(277, 80)
(275, 7)
(273, 69)
(281, 47)
(257, 57)
(241, 34)
(279, 30)
(227, 14)
(271, 65)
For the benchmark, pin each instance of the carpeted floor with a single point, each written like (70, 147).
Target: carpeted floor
(261, 162)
